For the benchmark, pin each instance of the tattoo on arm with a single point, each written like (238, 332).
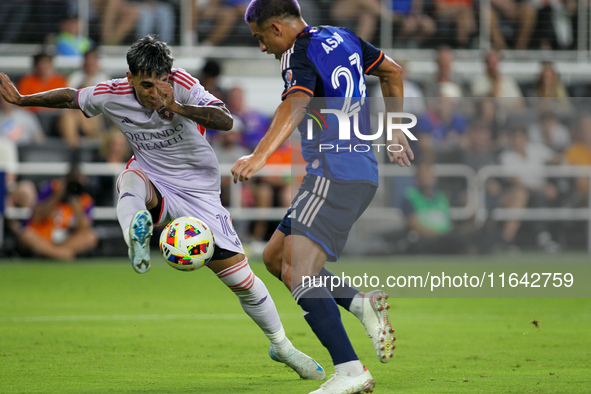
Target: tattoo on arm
(57, 98)
(216, 117)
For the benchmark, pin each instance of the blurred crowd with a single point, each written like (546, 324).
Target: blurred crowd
(487, 120)
(484, 119)
(491, 120)
(515, 24)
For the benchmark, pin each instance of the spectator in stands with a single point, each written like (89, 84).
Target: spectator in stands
(526, 160)
(19, 193)
(266, 191)
(90, 73)
(255, 123)
(118, 18)
(441, 129)
(69, 42)
(19, 125)
(579, 154)
(73, 124)
(47, 15)
(225, 14)
(496, 84)
(114, 150)
(479, 149)
(156, 17)
(414, 27)
(501, 12)
(489, 112)
(413, 93)
(13, 15)
(549, 83)
(61, 224)
(550, 132)
(461, 14)
(228, 149)
(428, 218)
(512, 23)
(42, 79)
(445, 73)
(8, 166)
(549, 86)
(550, 24)
(209, 77)
(365, 12)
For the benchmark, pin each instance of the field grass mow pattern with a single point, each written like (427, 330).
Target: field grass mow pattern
(97, 326)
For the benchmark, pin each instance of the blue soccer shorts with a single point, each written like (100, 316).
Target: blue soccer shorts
(324, 211)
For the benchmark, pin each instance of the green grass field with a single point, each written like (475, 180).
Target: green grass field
(97, 326)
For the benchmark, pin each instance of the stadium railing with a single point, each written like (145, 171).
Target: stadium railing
(535, 214)
(474, 209)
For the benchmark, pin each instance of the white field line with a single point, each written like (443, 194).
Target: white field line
(100, 318)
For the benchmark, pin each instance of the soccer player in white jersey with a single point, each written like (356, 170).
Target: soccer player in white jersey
(163, 112)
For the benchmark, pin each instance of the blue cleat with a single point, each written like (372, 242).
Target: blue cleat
(140, 232)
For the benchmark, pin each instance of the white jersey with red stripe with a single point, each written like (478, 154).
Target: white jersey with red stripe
(171, 149)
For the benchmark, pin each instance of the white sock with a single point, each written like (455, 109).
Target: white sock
(356, 306)
(134, 191)
(351, 368)
(257, 303)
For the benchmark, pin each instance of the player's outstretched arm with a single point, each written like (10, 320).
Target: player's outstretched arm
(215, 117)
(390, 75)
(57, 98)
(283, 124)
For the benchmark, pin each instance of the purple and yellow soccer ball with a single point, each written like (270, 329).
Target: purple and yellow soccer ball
(187, 243)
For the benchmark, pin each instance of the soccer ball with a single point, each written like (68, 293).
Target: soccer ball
(187, 244)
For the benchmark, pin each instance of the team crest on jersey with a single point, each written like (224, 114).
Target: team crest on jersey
(289, 78)
(165, 113)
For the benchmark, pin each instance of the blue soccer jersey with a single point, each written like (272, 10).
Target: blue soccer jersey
(332, 62)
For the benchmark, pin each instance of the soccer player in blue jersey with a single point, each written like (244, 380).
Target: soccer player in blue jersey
(325, 62)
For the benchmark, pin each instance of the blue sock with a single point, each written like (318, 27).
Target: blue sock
(343, 293)
(322, 314)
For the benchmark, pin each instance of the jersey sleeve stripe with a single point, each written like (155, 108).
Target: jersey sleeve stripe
(130, 161)
(285, 59)
(180, 77)
(108, 92)
(378, 61)
(103, 90)
(296, 88)
(212, 102)
(182, 83)
(186, 76)
(113, 86)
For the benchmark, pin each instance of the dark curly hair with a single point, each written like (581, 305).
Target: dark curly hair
(149, 56)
